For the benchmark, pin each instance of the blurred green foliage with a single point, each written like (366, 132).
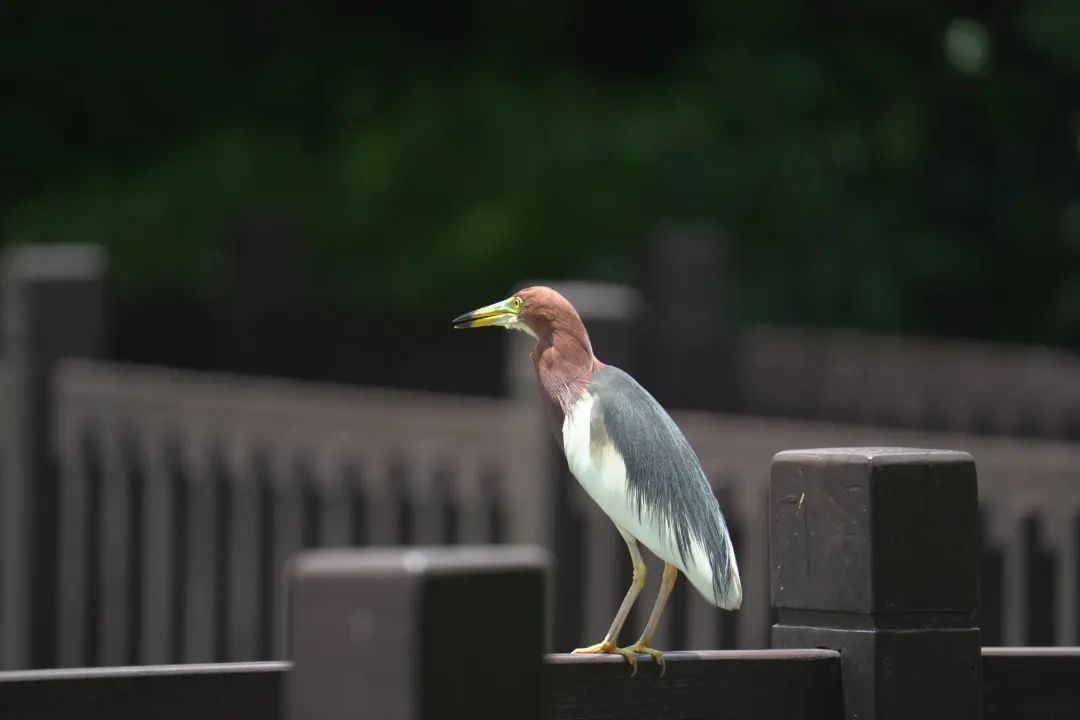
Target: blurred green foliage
(872, 169)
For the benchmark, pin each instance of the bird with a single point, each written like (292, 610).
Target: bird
(629, 456)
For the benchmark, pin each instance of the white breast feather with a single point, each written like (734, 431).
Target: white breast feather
(604, 479)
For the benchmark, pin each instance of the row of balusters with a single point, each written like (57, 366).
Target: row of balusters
(158, 566)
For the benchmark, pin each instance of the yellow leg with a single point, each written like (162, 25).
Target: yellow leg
(667, 584)
(607, 645)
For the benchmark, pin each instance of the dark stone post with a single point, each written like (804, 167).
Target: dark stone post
(874, 553)
(417, 634)
(687, 354)
(53, 308)
(263, 293)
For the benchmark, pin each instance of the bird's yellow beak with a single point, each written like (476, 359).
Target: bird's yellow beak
(502, 314)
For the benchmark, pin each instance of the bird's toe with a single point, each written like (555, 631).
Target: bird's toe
(657, 655)
(631, 657)
(600, 648)
(609, 648)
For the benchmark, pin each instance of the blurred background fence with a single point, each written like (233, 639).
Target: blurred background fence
(146, 511)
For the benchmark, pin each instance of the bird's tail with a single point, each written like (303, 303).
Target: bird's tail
(715, 573)
(729, 589)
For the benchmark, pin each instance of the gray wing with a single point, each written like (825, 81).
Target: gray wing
(664, 476)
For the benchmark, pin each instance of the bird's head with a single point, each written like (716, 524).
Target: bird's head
(538, 311)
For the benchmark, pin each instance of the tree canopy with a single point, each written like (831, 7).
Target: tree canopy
(888, 165)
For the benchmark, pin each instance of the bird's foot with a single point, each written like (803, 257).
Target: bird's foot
(643, 649)
(609, 648)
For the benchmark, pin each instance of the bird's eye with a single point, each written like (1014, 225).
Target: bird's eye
(518, 304)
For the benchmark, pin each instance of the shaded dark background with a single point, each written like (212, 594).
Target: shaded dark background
(315, 189)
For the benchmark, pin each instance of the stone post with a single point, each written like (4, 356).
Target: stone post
(53, 308)
(417, 633)
(874, 553)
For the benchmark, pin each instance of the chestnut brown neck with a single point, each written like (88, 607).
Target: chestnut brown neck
(565, 364)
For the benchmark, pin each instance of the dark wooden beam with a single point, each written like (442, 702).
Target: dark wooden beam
(759, 685)
(1030, 682)
(708, 685)
(176, 692)
(1018, 683)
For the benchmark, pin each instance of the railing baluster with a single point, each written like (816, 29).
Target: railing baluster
(243, 555)
(751, 509)
(497, 498)
(288, 517)
(1007, 528)
(74, 527)
(474, 522)
(335, 517)
(199, 596)
(702, 619)
(702, 623)
(1060, 536)
(380, 500)
(602, 542)
(425, 497)
(160, 534)
(115, 614)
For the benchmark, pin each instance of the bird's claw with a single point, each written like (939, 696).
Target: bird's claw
(630, 653)
(639, 648)
(609, 648)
